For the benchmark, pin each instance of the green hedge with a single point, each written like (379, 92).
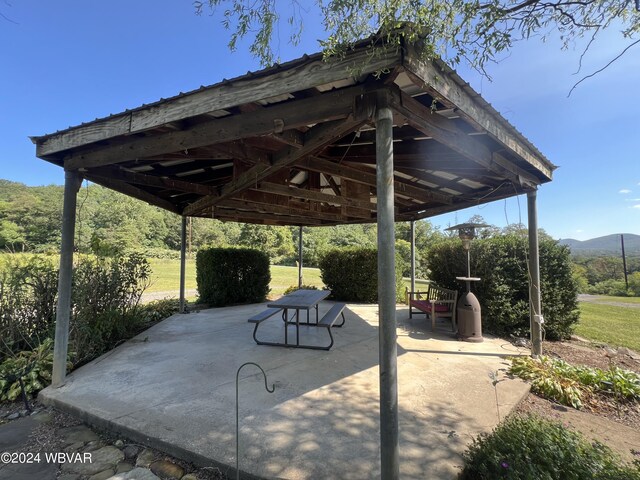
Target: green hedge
(228, 276)
(503, 292)
(352, 274)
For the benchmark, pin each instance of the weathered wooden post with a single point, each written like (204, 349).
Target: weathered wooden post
(389, 444)
(535, 306)
(72, 183)
(183, 263)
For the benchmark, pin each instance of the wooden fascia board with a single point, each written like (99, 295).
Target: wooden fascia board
(247, 89)
(315, 139)
(437, 82)
(132, 191)
(333, 105)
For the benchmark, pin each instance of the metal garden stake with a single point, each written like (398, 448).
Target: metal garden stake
(273, 387)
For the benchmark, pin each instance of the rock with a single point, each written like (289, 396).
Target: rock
(41, 416)
(145, 458)
(13, 416)
(102, 475)
(118, 443)
(189, 476)
(93, 446)
(130, 451)
(102, 459)
(69, 476)
(123, 467)
(79, 433)
(24, 413)
(135, 474)
(167, 470)
(74, 447)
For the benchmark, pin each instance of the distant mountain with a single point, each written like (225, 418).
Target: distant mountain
(609, 244)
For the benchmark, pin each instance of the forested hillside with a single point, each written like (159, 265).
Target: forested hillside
(109, 222)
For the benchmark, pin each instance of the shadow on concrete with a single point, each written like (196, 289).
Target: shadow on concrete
(173, 387)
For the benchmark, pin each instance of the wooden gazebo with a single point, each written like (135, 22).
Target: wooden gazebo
(379, 135)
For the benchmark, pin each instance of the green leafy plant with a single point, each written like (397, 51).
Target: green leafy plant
(228, 276)
(352, 274)
(33, 367)
(569, 385)
(528, 447)
(501, 263)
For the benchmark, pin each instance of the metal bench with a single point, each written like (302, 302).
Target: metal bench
(329, 320)
(436, 302)
(262, 316)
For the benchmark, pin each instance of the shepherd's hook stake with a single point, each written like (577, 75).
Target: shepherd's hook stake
(273, 387)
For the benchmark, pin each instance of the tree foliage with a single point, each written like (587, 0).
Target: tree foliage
(475, 32)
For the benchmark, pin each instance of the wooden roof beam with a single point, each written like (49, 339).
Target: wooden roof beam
(132, 191)
(331, 106)
(439, 83)
(315, 139)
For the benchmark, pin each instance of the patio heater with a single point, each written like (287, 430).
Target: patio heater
(468, 311)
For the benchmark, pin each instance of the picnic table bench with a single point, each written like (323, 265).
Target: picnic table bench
(435, 302)
(300, 300)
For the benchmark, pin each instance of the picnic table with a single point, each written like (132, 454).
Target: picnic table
(300, 300)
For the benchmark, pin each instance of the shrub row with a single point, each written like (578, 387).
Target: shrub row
(227, 276)
(501, 262)
(352, 274)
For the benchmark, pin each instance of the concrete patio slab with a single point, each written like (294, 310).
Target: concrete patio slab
(173, 387)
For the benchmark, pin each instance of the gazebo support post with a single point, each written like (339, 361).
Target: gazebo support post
(535, 308)
(72, 183)
(183, 262)
(300, 257)
(413, 255)
(389, 444)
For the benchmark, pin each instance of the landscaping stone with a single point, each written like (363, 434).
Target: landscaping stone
(79, 433)
(93, 446)
(124, 467)
(69, 476)
(145, 458)
(102, 475)
(13, 416)
(135, 474)
(102, 459)
(118, 443)
(189, 476)
(130, 451)
(167, 470)
(74, 447)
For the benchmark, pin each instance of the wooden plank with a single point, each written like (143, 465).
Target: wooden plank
(366, 178)
(315, 139)
(440, 83)
(315, 196)
(258, 87)
(336, 105)
(132, 191)
(151, 180)
(278, 209)
(253, 216)
(444, 131)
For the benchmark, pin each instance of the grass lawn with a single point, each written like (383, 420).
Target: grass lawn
(611, 324)
(603, 298)
(165, 277)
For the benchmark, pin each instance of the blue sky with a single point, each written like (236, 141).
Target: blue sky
(67, 62)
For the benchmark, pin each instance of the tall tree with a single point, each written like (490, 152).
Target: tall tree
(475, 32)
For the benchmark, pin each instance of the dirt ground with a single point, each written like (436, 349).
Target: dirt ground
(602, 419)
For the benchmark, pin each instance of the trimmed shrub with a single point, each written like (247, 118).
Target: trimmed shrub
(228, 276)
(352, 274)
(501, 263)
(532, 448)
